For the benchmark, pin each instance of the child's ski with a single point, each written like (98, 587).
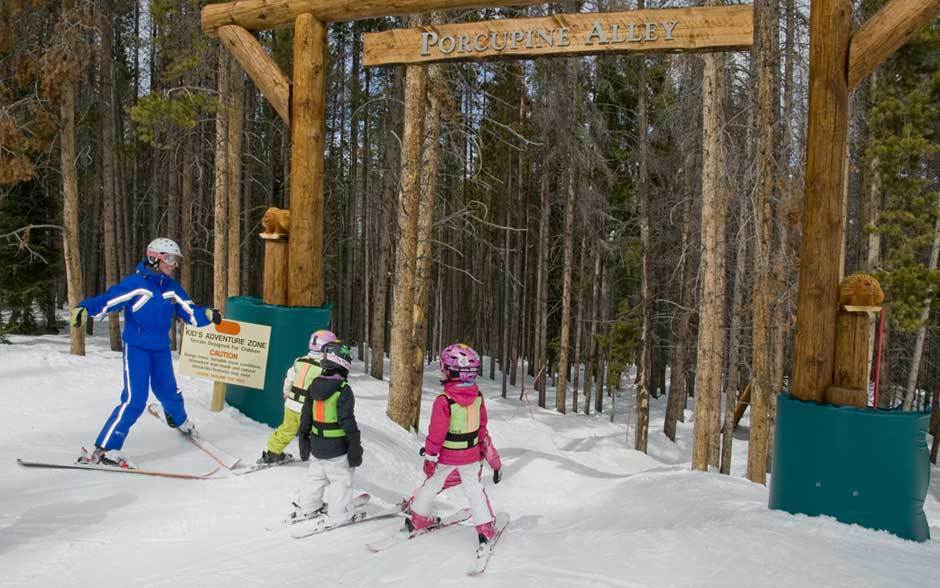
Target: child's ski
(322, 525)
(257, 467)
(107, 468)
(227, 460)
(404, 535)
(485, 550)
(298, 517)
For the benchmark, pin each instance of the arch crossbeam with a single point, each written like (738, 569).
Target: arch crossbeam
(259, 15)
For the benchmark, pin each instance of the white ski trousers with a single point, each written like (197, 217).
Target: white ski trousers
(470, 484)
(330, 481)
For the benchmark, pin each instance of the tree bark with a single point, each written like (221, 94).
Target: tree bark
(426, 201)
(389, 177)
(575, 378)
(644, 367)
(542, 287)
(400, 394)
(561, 387)
(221, 200)
(109, 220)
(590, 371)
(308, 112)
(762, 286)
(233, 161)
(922, 331)
(715, 199)
(70, 220)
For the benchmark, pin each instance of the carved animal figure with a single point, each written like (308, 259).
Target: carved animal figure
(276, 221)
(860, 290)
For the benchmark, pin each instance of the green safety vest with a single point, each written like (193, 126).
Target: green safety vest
(464, 424)
(325, 420)
(306, 371)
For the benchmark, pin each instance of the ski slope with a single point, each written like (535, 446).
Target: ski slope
(586, 510)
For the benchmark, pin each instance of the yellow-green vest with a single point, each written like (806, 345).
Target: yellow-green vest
(325, 419)
(306, 370)
(464, 424)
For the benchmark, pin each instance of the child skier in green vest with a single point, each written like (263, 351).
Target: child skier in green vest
(299, 377)
(328, 418)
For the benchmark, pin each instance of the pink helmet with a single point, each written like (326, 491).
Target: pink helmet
(459, 362)
(319, 338)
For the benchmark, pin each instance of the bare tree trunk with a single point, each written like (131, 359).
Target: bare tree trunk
(236, 114)
(389, 183)
(644, 367)
(922, 331)
(519, 197)
(70, 220)
(675, 403)
(109, 221)
(575, 378)
(762, 287)
(220, 216)
(542, 288)
(562, 384)
(590, 370)
(186, 220)
(715, 195)
(400, 395)
(426, 200)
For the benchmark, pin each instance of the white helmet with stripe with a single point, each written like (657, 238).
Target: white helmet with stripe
(165, 250)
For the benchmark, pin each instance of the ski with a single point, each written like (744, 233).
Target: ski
(225, 459)
(403, 535)
(322, 526)
(296, 517)
(485, 550)
(106, 468)
(257, 467)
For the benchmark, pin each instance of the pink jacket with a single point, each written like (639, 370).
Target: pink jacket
(464, 395)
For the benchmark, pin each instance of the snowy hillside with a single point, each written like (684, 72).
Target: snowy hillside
(586, 510)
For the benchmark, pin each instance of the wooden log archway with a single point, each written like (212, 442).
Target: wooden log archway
(838, 62)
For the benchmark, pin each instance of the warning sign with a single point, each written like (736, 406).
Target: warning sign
(232, 352)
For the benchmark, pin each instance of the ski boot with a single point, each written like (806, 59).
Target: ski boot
(105, 457)
(271, 457)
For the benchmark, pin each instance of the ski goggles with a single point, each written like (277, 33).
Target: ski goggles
(171, 259)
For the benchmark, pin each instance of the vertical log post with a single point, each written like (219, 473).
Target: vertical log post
(823, 226)
(860, 298)
(308, 113)
(275, 269)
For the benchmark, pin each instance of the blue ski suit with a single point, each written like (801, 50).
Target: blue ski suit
(149, 300)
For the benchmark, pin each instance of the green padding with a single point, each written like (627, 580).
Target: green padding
(860, 466)
(291, 327)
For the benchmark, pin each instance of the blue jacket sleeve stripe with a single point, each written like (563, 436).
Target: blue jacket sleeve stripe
(186, 306)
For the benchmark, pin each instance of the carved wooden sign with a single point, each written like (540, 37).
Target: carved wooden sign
(669, 30)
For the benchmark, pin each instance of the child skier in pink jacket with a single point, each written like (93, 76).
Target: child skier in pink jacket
(458, 441)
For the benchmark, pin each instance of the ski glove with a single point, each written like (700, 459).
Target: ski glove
(214, 315)
(497, 476)
(430, 463)
(79, 317)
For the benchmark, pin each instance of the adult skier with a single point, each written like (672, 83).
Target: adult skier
(149, 298)
(458, 440)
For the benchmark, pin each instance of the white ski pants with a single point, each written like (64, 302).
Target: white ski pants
(470, 484)
(330, 481)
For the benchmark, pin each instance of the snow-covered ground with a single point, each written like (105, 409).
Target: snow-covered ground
(586, 510)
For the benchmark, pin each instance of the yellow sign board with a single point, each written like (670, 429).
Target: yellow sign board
(233, 352)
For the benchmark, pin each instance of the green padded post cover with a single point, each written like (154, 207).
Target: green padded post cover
(862, 466)
(291, 327)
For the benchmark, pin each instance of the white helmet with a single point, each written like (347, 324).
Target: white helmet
(165, 250)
